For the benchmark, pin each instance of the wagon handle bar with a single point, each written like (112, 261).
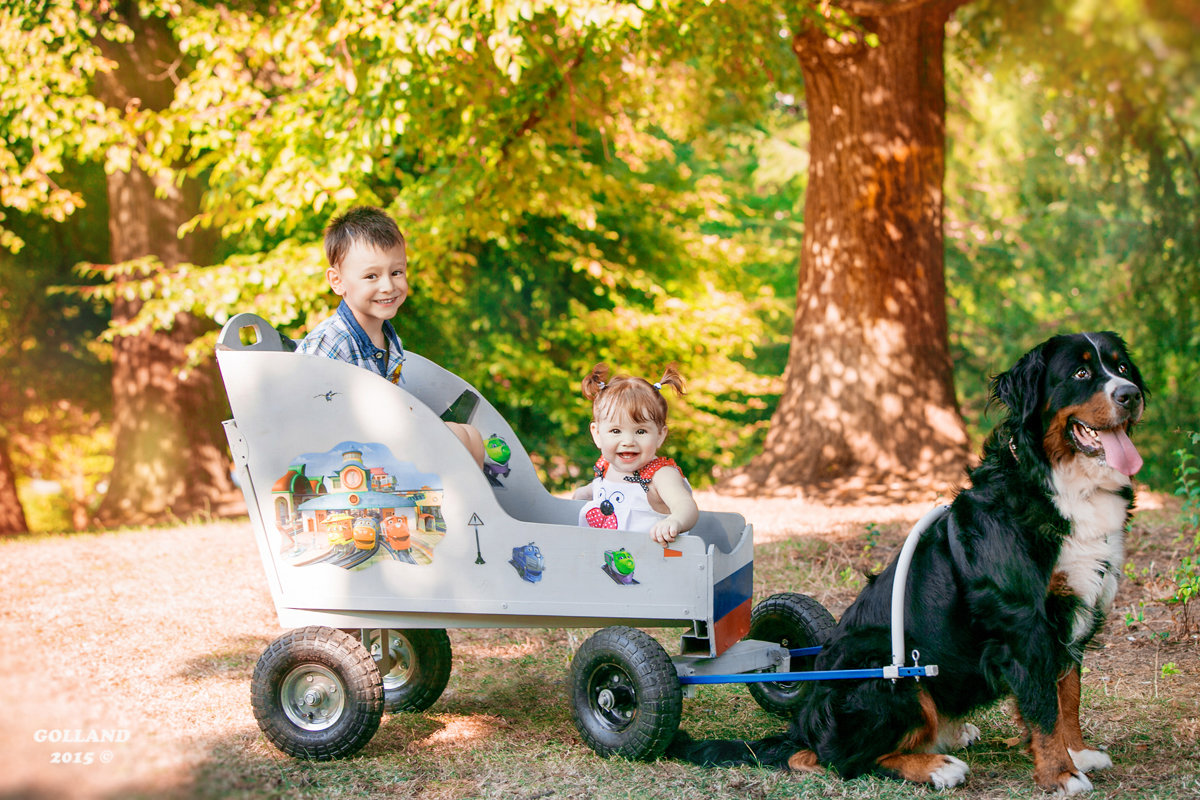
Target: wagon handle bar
(901, 580)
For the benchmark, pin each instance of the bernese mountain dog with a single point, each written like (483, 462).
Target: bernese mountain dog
(1004, 592)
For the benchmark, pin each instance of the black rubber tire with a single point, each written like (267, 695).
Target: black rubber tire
(421, 670)
(625, 694)
(792, 620)
(317, 694)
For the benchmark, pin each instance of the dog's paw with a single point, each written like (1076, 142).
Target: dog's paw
(967, 736)
(955, 736)
(1076, 783)
(952, 773)
(1090, 760)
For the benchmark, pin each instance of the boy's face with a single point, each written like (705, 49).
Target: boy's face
(627, 445)
(373, 282)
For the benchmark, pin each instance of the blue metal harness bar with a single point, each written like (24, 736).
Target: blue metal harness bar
(927, 671)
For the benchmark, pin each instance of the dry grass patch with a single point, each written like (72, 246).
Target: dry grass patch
(157, 632)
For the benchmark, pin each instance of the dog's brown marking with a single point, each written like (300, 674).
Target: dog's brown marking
(1052, 764)
(915, 767)
(1059, 585)
(925, 735)
(1056, 441)
(804, 761)
(1020, 723)
(1097, 413)
(1068, 710)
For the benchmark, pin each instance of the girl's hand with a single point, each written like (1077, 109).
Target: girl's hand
(674, 491)
(665, 531)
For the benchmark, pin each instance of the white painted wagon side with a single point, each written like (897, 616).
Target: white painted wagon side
(287, 406)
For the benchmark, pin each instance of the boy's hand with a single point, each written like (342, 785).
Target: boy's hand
(666, 531)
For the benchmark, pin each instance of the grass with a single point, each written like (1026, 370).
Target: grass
(157, 632)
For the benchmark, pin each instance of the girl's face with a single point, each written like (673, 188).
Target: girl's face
(627, 445)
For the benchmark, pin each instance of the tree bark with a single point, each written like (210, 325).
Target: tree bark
(12, 515)
(170, 457)
(868, 400)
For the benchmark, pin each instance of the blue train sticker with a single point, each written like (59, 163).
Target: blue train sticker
(528, 561)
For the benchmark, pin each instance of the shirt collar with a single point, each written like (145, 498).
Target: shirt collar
(363, 341)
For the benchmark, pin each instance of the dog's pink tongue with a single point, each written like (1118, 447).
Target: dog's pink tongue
(1119, 451)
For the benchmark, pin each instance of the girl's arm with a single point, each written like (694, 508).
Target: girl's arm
(583, 492)
(674, 491)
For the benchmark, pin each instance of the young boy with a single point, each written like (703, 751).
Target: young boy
(368, 269)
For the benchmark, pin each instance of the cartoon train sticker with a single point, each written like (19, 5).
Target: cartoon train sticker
(528, 561)
(356, 505)
(619, 566)
(496, 455)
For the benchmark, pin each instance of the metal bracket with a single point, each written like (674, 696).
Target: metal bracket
(238, 447)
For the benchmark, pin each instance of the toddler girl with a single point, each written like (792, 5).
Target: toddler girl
(634, 489)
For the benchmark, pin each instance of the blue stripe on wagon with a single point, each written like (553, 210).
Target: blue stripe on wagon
(731, 592)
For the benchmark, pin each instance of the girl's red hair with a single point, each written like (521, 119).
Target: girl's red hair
(636, 398)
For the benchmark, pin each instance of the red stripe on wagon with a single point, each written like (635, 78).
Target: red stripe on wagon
(733, 627)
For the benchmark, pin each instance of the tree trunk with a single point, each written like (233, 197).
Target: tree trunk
(12, 515)
(868, 400)
(170, 457)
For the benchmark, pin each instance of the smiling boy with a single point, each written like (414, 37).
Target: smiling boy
(368, 269)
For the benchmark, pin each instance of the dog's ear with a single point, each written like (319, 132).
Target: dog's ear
(1020, 388)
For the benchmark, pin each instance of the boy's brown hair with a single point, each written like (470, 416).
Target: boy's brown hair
(639, 399)
(365, 224)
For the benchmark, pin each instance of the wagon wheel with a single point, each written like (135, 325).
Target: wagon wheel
(625, 697)
(317, 694)
(794, 621)
(420, 668)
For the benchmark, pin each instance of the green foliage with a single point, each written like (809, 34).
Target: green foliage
(1185, 577)
(1187, 580)
(873, 532)
(1187, 479)
(553, 221)
(1072, 195)
(583, 180)
(1134, 617)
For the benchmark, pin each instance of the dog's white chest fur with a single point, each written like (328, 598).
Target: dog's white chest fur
(1092, 555)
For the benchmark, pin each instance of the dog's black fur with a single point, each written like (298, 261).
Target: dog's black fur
(1006, 609)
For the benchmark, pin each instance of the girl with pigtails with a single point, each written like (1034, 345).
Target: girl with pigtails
(634, 489)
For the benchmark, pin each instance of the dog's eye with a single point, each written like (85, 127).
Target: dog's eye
(1083, 373)
(1123, 368)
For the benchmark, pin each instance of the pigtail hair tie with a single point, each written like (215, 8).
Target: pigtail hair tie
(658, 387)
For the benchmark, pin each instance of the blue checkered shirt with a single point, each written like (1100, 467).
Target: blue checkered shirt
(340, 336)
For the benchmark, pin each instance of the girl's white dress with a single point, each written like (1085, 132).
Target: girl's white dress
(623, 503)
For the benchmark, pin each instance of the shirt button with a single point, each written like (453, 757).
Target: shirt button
(379, 355)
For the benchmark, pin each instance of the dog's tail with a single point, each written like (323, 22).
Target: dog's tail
(773, 751)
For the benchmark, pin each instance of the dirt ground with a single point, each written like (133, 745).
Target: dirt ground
(146, 639)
